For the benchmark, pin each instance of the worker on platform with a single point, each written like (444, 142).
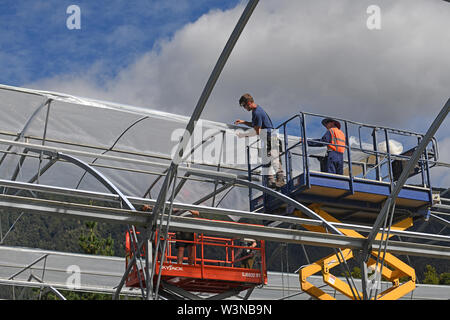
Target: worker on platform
(246, 256)
(334, 139)
(262, 126)
(186, 238)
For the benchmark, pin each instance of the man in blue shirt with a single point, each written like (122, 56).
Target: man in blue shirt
(261, 121)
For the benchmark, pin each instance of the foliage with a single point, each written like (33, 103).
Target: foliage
(93, 243)
(355, 273)
(431, 276)
(444, 278)
(71, 295)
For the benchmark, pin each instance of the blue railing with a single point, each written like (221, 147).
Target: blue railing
(383, 160)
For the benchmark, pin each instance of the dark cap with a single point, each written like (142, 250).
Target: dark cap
(246, 98)
(336, 123)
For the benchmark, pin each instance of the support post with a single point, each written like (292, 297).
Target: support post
(403, 177)
(196, 116)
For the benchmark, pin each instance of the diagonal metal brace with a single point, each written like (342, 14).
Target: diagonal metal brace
(404, 176)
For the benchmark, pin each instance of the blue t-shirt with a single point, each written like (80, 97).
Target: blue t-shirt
(261, 119)
(317, 142)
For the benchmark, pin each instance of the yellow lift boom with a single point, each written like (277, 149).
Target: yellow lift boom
(393, 273)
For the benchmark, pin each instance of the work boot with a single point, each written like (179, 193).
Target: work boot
(280, 179)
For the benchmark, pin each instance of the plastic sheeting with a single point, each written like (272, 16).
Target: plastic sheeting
(129, 133)
(102, 128)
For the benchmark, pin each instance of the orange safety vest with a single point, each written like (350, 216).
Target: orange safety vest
(337, 138)
(127, 243)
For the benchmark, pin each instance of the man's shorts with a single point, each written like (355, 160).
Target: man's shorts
(188, 236)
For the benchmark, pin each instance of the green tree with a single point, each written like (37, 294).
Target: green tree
(431, 276)
(92, 243)
(355, 273)
(444, 278)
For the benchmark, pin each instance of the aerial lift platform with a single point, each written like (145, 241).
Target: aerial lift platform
(357, 197)
(223, 266)
(368, 179)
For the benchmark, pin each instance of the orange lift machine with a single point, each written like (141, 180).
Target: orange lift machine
(220, 265)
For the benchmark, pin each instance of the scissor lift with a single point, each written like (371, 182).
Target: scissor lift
(356, 197)
(397, 269)
(217, 267)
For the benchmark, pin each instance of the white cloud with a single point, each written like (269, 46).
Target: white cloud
(317, 55)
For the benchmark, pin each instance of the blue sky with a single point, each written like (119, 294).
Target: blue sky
(317, 56)
(36, 42)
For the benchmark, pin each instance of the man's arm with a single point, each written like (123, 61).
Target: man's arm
(248, 133)
(247, 123)
(319, 142)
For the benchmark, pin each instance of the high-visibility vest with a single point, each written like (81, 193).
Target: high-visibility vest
(337, 138)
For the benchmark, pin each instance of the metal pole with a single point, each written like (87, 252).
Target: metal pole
(396, 190)
(218, 166)
(198, 111)
(44, 136)
(202, 101)
(404, 176)
(349, 158)
(375, 148)
(22, 133)
(124, 278)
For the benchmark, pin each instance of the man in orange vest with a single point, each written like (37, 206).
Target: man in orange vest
(336, 147)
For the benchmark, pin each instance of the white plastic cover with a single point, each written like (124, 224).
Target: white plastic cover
(99, 128)
(125, 132)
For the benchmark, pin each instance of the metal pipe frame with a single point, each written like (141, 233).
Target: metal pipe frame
(213, 227)
(365, 124)
(120, 151)
(161, 200)
(390, 201)
(111, 187)
(23, 283)
(245, 182)
(122, 159)
(53, 150)
(404, 175)
(21, 134)
(116, 215)
(93, 164)
(160, 218)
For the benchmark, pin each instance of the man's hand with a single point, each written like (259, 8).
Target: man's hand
(195, 212)
(239, 121)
